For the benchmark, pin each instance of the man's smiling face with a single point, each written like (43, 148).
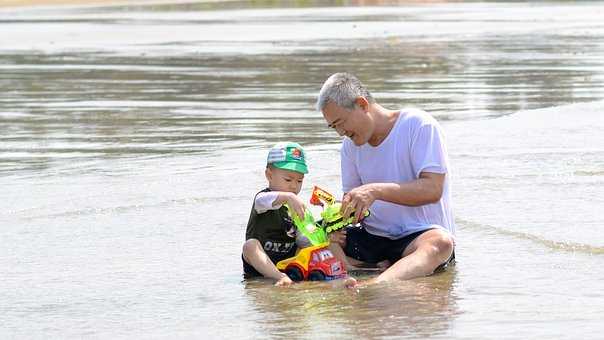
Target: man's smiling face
(353, 124)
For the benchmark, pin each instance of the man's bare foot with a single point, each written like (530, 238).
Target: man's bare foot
(352, 267)
(350, 282)
(383, 265)
(370, 282)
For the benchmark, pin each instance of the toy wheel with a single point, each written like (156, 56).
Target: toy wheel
(294, 273)
(316, 275)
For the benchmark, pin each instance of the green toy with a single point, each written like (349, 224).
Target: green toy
(332, 218)
(308, 227)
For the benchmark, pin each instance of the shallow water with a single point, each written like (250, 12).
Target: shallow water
(132, 139)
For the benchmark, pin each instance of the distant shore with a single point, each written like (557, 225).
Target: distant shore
(4, 4)
(7, 4)
(50, 3)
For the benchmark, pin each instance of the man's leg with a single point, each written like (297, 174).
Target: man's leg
(424, 254)
(350, 262)
(357, 247)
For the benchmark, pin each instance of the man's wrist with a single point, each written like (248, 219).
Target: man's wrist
(375, 191)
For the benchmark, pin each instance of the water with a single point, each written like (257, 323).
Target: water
(132, 139)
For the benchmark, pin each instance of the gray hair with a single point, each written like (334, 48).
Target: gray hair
(342, 89)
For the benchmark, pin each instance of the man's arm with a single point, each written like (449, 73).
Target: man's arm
(428, 188)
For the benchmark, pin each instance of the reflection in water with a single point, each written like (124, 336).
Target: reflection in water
(418, 308)
(71, 99)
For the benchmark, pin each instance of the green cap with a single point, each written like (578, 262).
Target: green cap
(288, 156)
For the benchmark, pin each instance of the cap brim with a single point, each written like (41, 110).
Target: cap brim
(293, 166)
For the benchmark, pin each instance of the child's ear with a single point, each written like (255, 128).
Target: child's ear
(268, 174)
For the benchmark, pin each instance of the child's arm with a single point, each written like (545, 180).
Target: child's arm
(255, 256)
(275, 199)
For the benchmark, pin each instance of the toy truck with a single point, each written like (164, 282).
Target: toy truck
(314, 263)
(317, 262)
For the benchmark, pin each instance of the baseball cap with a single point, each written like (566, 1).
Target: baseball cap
(288, 156)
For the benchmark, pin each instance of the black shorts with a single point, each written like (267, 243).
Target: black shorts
(366, 247)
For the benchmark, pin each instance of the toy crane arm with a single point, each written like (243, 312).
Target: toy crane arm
(320, 196)
(332, 218)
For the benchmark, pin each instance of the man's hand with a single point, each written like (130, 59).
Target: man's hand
(358, 200)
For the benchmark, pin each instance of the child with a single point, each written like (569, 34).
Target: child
(270, 235)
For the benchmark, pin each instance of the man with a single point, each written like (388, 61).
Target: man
(395, 164)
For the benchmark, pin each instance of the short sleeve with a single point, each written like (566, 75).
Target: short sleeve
(350, 174)
(428, 153)
(264, 201)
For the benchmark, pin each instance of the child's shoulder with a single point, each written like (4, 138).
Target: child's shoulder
(264, 199)
(262, 192)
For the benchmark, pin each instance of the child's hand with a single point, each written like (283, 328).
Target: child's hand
(284, 281)
(339, 237)
(296, 204)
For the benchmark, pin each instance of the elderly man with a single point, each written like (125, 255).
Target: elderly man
(395, 164)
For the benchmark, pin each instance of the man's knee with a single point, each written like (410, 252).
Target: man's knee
(436, 242)
(442, 244)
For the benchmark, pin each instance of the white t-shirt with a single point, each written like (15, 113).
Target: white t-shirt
(264, 201)
(414, 145)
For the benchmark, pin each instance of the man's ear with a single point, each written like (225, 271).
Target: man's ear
(268, 174)
(362, 103)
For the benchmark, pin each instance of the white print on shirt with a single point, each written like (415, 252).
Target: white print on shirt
(278, 247)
